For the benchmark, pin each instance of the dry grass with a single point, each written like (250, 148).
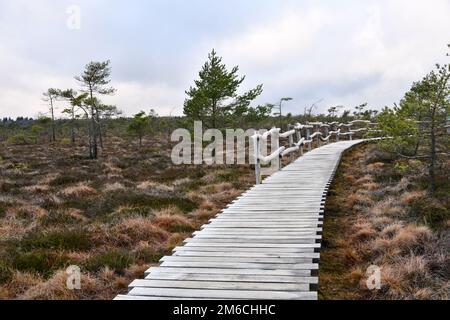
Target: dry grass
(79, 191)
(154, 186)
(111, 187)
(384, 222)
(113, 217)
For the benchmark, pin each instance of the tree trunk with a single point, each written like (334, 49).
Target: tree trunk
(214, 115)
(99, 128)
(93, 145)
(53, 119)
(72, 129)
(432, 166)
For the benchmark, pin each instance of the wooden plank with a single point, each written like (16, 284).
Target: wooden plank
(251, 231)
(148, 298)
(250, 238)
(220, 285)
(235, 271)
(267, 250)
(237, 254)
(210, 243)
(224, 294)
(273, 260)
(232, 277)
(240, 265)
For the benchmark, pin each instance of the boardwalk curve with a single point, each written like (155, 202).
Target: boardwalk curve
(264, 245)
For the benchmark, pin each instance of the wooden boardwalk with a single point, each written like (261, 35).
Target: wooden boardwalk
(265, 245)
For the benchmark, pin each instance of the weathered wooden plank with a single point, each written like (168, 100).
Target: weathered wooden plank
(148, 298)
(275, 260)
(237, 254)
(258, 271)
(224, 294)
(211, 243)
(267, 250)
(232, 277)
(250, 231)
(220, 285)
(240, 265)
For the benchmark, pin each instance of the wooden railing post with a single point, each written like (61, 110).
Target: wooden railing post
(308, 137)
(275, 145)
(327, 132)
(257, 151)
(299, 137)
(318, 136)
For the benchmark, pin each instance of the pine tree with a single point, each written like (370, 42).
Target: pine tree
(214, 99)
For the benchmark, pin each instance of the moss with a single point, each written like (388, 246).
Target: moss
(41, 261)
(5, 273)
(431, 211)
(58, 218)
(98, 207)
(3, 208)
(116, 259)
(150, 255)
(69, 178)
(72, 239)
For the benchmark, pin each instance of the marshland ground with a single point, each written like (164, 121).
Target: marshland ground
(114, 217)
(379, 212)
(118, 215)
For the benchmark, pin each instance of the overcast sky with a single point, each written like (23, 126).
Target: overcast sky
(344, 52)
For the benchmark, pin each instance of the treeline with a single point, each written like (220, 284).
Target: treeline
(417, 127)
(213, 99)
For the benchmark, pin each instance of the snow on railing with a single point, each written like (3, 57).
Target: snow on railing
(312, 131)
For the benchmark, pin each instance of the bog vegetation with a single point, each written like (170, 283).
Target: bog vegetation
(85, 185)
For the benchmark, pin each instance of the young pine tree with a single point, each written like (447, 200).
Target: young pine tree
(95, 81)
(417, 127)
(214, 99)
(139, 126)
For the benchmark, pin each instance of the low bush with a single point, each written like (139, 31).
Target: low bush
(18, 139)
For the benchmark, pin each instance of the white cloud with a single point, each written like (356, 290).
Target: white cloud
(133, 97)
(346, 52)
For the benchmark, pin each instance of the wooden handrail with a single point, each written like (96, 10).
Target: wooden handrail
(296, 130)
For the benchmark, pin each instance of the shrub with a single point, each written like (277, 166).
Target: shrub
(65, 142)
(18, 139)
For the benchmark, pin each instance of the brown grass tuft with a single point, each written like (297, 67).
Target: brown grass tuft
(172, 222)
(81, 190)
